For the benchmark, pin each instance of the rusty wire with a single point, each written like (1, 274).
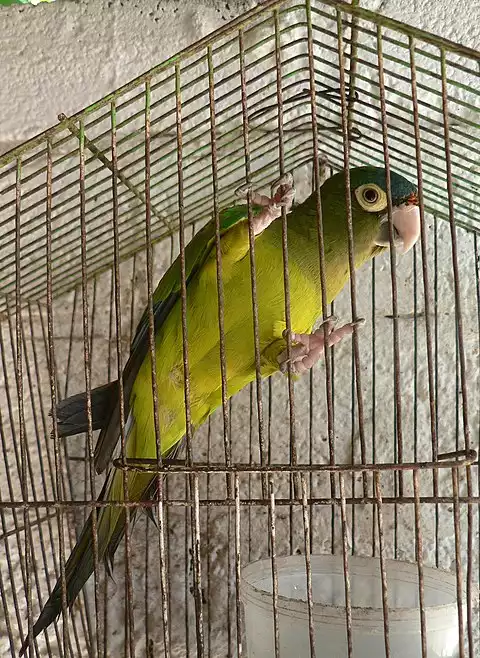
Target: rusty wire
(96, 195)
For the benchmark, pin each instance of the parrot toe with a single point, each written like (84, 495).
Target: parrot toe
(307, 349)
(271, 206)
(284, 191)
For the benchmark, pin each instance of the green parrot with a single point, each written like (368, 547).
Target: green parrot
(371, 237)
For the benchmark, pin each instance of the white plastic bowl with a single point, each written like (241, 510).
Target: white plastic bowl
(367, 610)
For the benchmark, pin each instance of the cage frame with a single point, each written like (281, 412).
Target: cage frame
(465, 457)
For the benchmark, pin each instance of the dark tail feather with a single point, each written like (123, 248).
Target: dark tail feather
(78, 569)
(72, 412)
(79, 566)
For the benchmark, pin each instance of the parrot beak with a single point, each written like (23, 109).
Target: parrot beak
(406, 227)
(406, 221)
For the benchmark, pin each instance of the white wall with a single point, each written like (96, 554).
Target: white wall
(62, 56)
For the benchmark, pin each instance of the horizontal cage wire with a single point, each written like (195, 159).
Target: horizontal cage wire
(372, 453)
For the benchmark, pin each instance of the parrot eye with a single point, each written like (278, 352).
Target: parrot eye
(370, 195)
(371, 198)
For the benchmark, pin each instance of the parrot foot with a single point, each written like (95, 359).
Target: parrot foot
(272, 206)
(306, 349)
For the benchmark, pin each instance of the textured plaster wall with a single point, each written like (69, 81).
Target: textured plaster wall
(69, 55)
(62, 56)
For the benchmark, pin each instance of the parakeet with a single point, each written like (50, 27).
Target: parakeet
(371, 236)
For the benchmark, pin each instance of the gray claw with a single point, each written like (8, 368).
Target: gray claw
(243, 190)
(286, 179)
(359, 322)
(284, 367)
(331, 319)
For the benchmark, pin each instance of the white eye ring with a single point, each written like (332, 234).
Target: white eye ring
(371, 197)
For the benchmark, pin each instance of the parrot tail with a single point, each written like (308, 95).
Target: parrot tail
(72, 412)
(80, 565)
(78, 569)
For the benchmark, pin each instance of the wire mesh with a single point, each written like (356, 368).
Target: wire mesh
(371, 454)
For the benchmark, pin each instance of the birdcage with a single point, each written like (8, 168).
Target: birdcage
(370, 455)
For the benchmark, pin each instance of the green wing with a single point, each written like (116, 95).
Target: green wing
(168, 289)
(165, 297)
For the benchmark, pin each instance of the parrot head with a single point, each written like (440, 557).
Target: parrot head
(370, 208)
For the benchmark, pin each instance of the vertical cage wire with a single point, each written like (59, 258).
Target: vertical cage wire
(371, 454)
